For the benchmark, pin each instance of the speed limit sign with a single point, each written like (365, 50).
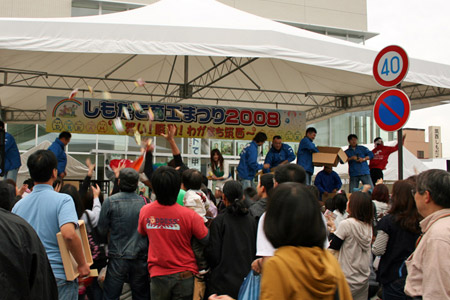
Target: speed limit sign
(390, 66)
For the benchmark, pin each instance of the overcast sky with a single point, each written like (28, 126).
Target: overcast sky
(422, 28)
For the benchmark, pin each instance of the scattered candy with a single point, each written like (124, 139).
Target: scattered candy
(179, 113)
(137, 107)
(139, 82)
(118, 126)
(73, 94)
(137, 136)
(106, 95)
(126, 113)
(151, 115)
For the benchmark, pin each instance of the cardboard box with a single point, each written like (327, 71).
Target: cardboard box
(70, 265)
(329, 156)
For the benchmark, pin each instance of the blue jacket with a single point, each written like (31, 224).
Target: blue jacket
(356, 168)
(120, 217)
(248, 162)
(275, 157)
(58, 148)
(304, 154)
(12, 155)
(327, 182)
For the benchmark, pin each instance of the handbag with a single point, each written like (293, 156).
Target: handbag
(250, 287)
(199, 289)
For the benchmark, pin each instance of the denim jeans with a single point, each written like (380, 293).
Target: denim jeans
(308, 178)
(12, 174)
(247, 183)
(67, 290)
(354, 181)
(394, 290)
(172, 287)
(133, 271)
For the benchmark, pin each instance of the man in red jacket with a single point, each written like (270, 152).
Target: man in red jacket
(380, 158)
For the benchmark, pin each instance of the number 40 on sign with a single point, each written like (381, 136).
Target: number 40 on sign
(390, 66)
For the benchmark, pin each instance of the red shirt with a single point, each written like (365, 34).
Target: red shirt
(380, 156)
(169, 230)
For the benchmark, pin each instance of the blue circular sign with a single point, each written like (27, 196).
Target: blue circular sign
(391, 110)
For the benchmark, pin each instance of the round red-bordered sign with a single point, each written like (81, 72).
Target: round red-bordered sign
(390, 66)
(391, 110)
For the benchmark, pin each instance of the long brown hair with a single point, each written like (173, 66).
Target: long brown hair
(213, 163)
(361, 207)
(404, 207)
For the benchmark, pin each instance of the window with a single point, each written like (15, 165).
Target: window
(91, 7)
(420, 154)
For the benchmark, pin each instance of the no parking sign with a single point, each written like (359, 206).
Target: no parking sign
(391, 110)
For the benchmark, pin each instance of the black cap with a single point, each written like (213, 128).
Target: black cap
(129, 179)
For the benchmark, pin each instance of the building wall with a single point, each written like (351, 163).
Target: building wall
(348, 14)
(415, 142)
(35, 8)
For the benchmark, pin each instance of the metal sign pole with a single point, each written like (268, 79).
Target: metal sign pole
(400, 153)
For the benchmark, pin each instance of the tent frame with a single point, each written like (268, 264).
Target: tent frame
(320, 105)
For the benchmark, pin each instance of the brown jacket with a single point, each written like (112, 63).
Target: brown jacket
(303, 273)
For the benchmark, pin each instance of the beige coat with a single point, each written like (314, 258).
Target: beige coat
(429, 265)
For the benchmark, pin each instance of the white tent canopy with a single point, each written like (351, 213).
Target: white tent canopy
(74, 169)
(291, 59)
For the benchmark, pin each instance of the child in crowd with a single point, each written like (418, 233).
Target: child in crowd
(195, 199)
(353, 239)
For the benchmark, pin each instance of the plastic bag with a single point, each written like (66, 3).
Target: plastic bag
(250, 287)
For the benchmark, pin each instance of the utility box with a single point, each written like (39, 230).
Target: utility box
(330, 156)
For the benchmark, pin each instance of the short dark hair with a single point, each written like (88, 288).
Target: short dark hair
(29, 182)
(380, 193)
(166, 182)
(41, 165)
(249, 192)
(361, 207)
(340, 202)
(128, 180)
(7, 195)
(65, 135)
(437, 183)
(232, 190)
(376, 139)
(192, 179)
(276, 137)
(290, 173)
(311, 129)
(260, 137)
(73, 192)
(351, 136)
(267, 181)
(2, 125)
(291, 206)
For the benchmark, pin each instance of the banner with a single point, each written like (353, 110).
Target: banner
(96, 116)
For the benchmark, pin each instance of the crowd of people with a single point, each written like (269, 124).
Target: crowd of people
(184, 241)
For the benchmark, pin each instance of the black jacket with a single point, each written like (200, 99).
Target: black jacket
(231, 250)
(25, 272)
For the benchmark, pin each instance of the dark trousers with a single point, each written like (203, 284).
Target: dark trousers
(179, 286)
(394, 290)
(376, 174)
(134, 271)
